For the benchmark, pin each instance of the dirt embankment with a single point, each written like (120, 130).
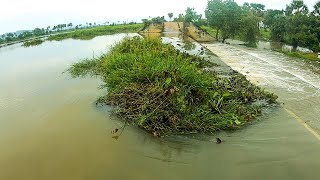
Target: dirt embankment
(188, 29)
(197, 33)
(153, 28)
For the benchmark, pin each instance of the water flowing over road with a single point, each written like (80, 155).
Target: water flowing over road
(295, 81)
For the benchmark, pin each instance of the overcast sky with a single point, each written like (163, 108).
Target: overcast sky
(29, 14)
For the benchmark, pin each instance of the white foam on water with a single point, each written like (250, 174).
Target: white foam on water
(285, 70)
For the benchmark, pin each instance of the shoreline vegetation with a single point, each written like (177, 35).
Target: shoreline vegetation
(87, 34)
(82, 34)
(33, 42)
(313, 57)
(165, 92)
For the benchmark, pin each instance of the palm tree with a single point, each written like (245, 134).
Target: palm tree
(316, 10)
(296, 7)
(48, 29)
(170, 15)
(70, 25)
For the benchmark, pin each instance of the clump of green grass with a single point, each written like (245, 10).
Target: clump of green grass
(86, 67)
(164, 91)
(34, 42)
(308, 56)
(209, 30)
(87, 34)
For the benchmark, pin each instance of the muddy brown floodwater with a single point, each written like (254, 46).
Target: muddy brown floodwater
(51, 129)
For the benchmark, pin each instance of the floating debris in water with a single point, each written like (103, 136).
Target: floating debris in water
(155, 134)
(219, 141)
(114, 131)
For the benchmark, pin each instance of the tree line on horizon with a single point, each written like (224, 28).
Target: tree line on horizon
(12, 37)
(295, 25)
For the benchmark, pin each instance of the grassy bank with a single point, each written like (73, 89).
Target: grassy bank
(86, 34)
(307, 56)
(165, 91)
(33, 42)
(265, 34)
(211, 31)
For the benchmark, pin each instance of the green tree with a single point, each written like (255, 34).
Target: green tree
(158, 20)
(233, 22)
(191, 15)
(70, 25)
(215, 15)
(180, 18)
(272, 16)
(300, 26)
(300, 31)
(296, 7)
(278, 28)
(224, 15)
(249, 28)
(10, 37)
(316, 11)
(146, 23)
(38, 32)
(295, 26)
(258, 9)
(48, 29)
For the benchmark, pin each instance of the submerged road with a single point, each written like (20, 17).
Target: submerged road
(295, 81)
(285, 143)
